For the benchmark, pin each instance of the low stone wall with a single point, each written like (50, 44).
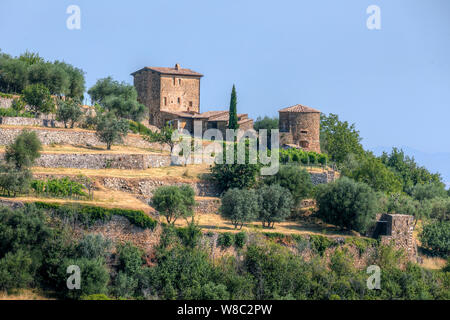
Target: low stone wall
(146, 186)
(11, 203)
(73, 137)
(5, 103)
(36, 122)
(323, 177)
(103, 161)
(396, 229)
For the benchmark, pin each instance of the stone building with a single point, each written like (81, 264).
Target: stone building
(300, 126)
(172, 96)
(396, 229)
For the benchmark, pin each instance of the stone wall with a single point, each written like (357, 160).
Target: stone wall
(396, 229)
(21, 121)
(323, 177)
(73, 137)
(146, 186)
(102, 161)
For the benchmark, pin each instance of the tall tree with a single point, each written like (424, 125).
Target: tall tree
(233, 121)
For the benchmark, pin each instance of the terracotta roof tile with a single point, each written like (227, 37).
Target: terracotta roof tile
(172, 71)
(299, 108)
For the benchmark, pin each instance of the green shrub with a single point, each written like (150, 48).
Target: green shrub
(99, 296)
(225, 240)
(347, 204)
(190, 235)
(240, 239)
(90, 214)
(320, 243)
(59, 187)
(15, 270)
(436, 236)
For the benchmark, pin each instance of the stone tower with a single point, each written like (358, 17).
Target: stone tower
(167, 90)
(300, 125)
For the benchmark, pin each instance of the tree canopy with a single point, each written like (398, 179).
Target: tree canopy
(118, 97)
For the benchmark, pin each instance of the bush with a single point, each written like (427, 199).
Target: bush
(240, 239)
(94, 277)
(225, 240)
(15, 271)
(347, 204)
(87, 215)
(62, 187)
(93, 246)
(190, 235)
(14, 181)
(24, 150)
(436, 236)
(296, 180)
(130, 259)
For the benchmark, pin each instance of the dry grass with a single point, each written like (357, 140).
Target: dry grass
(433, 263)
(214, 222)
(25, 294)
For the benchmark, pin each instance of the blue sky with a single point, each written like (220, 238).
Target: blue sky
(394, 83)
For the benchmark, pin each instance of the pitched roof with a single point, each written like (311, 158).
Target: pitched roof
(177, 70)
(299, 108)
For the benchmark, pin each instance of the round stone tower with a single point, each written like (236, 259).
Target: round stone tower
(300, 125)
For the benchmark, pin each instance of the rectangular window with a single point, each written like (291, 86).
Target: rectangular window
(165, 101)
(304, 132)
(179, 100)
(174, 81)
(179, 82)
(190, 103)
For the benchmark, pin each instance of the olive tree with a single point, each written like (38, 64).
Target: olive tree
(174, 202)
(110, 129)
(347, 204)
(275, 204)
(239, 206)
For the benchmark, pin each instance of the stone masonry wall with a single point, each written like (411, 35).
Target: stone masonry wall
(73, 137)
(103, 161)
(397, 229)
(21, 121)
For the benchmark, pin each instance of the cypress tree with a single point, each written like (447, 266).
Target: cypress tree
(233, 121)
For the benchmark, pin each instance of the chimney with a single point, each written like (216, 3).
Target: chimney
(177, 66)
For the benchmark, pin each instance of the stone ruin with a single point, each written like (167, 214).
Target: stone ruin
(396, 229)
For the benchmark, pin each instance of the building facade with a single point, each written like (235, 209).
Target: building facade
(172, 96)
(300, 127)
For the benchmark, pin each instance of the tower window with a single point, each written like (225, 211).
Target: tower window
(179, 82)
(303, 131)
(174, 81)
(165, 101)
(179, 100)
(190, 103)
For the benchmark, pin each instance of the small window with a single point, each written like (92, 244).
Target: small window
(190, 103)
(179, 81)
(303, 132)
(174, 81)
(179, 100)
(165, 101)
(304, 144)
